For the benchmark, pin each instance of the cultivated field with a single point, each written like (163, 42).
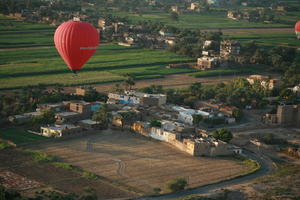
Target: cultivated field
(140, 162)
(216, 20)
(21, 166)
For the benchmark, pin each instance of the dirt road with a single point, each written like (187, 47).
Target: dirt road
(170, 81)
(254, 31)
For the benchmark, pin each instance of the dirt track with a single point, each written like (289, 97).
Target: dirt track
(254, 31)
(170, 81)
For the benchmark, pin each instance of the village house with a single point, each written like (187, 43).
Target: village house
(286, 116)
(296, 90)
(265, 81)
(23, 118)
(193, 146)
(229, 48)
(132, 97)
(68, 117)
(205, 63)
(165, 33)
(233, 15)
(55, 107)
(186, 115)
(62, 130)
(90, 124)
(81, 91)
(175, 9)
(195, 6)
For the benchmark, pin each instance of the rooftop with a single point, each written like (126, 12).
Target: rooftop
(65, 114)
(88, 121)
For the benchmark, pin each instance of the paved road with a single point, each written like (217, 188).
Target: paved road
(266, 168)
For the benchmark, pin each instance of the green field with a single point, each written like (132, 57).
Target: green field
(269, 39)
(14, 33)
(216, 20)
(44, 66)
(229, 71)
(19, 136)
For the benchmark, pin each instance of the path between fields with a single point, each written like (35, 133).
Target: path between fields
(231, 31)
(170, 81)
(266, 168)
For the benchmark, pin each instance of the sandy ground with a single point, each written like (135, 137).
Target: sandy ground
(140, 162)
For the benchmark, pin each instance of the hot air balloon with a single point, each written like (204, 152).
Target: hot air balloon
(297, 29)
(76, 42)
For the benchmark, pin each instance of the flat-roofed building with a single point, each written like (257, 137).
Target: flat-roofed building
(62, 130)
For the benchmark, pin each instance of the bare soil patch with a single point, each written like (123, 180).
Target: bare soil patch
(140, 162)
(60, 179)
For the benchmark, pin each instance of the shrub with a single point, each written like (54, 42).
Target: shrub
(42, 157)
(156, 190)
(223, 134)
(89, 175)
(4, 145)
(177, 184)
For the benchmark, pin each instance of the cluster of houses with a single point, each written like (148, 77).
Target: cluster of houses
(265, 81)
(176, 122)
(213, 55)
(175, 126)
(72, 118)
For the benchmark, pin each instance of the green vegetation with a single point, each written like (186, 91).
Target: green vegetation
(156, 190)
(89, 175)
(223, 134)
(155, 123)
(15, 33)
(252, 164)
(217, 20)
(41, 157)
(271, 39)
(19, 136)
(177, 185)
(65, 166)
(44, 66)
(230, 71)
(4, 145)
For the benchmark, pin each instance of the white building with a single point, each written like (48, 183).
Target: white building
(60, 130)
(132, 97)
(186, 115)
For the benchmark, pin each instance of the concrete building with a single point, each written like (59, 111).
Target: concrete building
(175, 9)
(265, 81)
(23, 118)
(89, 124)
(80, 91)
(81, 107)
(229, 48)
(186, 115)
(195, 6)
(62, 130)
(165, 33)
(132, 97)
(286, 116)
(68, 117)
(205, 63)
(56, 107)
(233, 15)
(125, 98)
(289, 115)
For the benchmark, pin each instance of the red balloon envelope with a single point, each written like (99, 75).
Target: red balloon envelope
(76, 42)
(297, 29)
(297, 26)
